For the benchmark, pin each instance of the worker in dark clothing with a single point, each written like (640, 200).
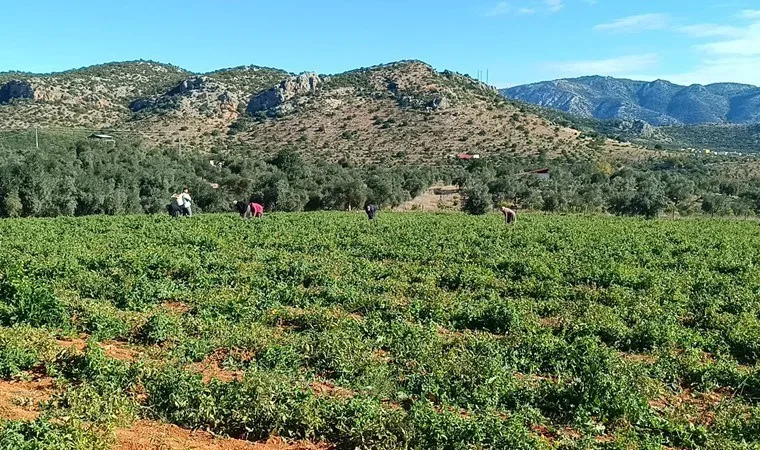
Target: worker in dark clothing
(176, 208)
(509, 215)
(371, 211)
(249, 209)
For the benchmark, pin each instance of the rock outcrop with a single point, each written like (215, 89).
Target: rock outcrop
(228, 105)
(439, 103)
(140, 104)
(644, 129)
(191, 84)
(192, 95)
(637, 128)
(16, 89)
(48, 93)
(303, 84)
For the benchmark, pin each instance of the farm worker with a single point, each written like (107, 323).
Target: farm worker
(509, 215)
(371, 211)
(258, 210)
(249, 209)
(176, 208)
(187, 202)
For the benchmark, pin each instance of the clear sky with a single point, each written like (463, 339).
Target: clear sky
(517, 41)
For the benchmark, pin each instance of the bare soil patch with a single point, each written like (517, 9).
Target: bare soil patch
(176, 307)
(211, 368)
(437, 198)
(697, 408)
(330, 390)
(149, 435)
(19, 400)
(112, 349)
(639, 358)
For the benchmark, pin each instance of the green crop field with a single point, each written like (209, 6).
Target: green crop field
(420, 331)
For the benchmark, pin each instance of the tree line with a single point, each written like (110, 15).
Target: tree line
(89, 177)
(680, 185)
(85, 177)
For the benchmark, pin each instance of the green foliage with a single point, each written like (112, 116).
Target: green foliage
(644, 196)
(715, 204)
(44, 435)
(81, 177)
(78, 177)
(101, 320)
(95, 405)
(22, 300)
(645, 189)
(21, 349)
(248, 80)
(13, 206)
(160, 328)
(418, 331)
(732, 138)
(477, 200)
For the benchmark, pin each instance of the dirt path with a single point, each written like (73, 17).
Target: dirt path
(148, 435)
(437, 198)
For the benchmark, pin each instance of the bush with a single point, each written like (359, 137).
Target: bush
(477, 200)
(101, 320)
(43, 435)
(22, 349)
(13, 206)
(23, 300)
(159, 328)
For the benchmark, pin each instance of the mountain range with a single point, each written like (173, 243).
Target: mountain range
(659, 103)
(401, 111)
(391, 113)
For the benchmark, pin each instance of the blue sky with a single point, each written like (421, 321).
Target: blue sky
(517, 41)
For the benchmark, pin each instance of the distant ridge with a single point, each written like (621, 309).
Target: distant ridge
(658, 102)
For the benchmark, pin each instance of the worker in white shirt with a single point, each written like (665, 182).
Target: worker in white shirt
(509, 215)
(186, 202)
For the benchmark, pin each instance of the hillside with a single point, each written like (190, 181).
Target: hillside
(96, 96)
(404, 111)
(743, 138)
(657, 103)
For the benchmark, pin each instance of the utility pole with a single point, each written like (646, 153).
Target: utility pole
(36, 138)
